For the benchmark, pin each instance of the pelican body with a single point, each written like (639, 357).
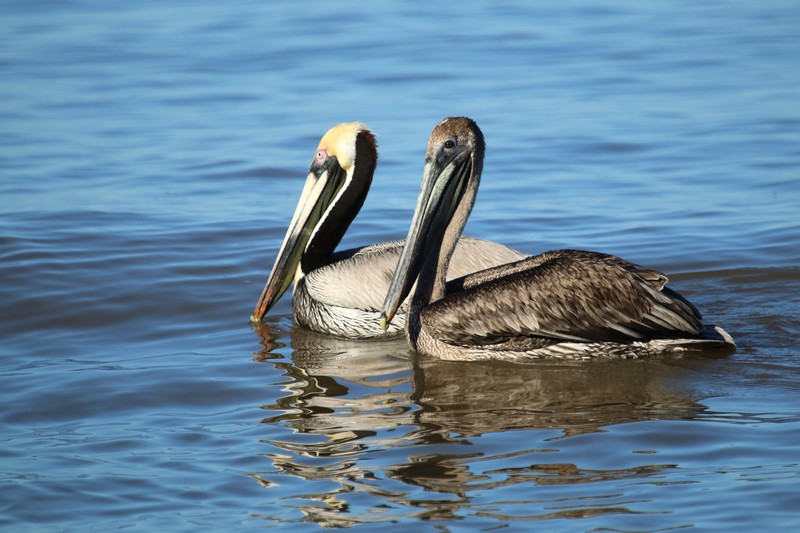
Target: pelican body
(563, 304)
(341, 293)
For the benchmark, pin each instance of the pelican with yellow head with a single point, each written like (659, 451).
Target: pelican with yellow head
(341, 293)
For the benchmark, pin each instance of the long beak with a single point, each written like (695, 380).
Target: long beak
(439, 197)
(318, 193)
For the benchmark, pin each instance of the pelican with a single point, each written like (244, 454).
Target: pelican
(563, 304)
(341, 293)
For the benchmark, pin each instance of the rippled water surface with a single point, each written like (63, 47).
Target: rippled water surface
(151, 154)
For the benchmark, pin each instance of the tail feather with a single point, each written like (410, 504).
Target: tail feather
(713, 340)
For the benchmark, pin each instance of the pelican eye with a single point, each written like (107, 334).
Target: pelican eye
(447, 150)
(321, 162)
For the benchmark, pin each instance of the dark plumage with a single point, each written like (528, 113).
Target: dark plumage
(560, 304)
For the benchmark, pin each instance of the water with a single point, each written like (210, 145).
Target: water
(150, 159)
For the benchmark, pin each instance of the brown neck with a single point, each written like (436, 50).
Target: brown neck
(433, 275)
(342, 213)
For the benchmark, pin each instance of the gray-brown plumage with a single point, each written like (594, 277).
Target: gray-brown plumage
(565, 304)
(341, 293)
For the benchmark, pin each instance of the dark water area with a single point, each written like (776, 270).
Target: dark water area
(150, 159)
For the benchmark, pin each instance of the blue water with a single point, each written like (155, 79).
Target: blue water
(150, 158)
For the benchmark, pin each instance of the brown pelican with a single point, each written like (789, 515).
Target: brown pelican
(564, 304)
(341, 293)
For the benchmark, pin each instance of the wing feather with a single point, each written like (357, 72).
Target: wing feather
(561, 295)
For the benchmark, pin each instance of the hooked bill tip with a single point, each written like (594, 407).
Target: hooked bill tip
(384, 322)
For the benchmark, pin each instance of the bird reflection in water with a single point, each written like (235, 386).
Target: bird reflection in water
(366, 422)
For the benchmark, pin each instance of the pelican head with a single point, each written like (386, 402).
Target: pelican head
(453, 166)
(335, 189)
